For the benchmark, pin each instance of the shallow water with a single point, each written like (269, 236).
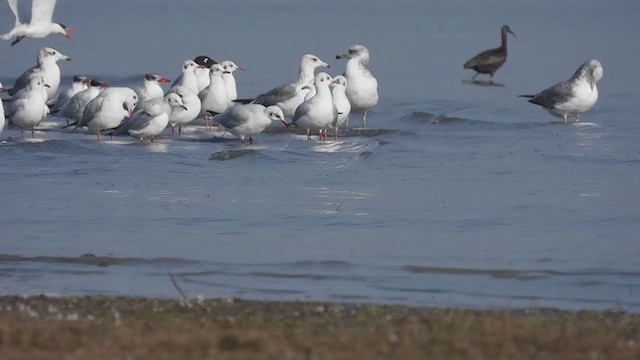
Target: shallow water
(455, 195)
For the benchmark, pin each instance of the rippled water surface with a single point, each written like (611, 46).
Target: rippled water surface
(454, 194)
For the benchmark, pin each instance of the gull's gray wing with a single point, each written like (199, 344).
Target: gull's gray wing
(557, 94)
(22, 81)
(237, 115)
(301, 110)
(92, 107)
(276, 95)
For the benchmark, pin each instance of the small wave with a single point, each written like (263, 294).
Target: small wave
(225, 155)
(91, 259)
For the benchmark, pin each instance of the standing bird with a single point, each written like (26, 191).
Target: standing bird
(201, 72)
(341, 102)
(489, 61)
(80, 83)
(40, 24)
(181, 117)
(214, 98)
(2, 119)
(288, 97)
(109, 109)
(229, 81)
(74, 108)
(319, 112)
(574, 96)
(247, 120)
(362, 87)
(188, 76)
(151, 118)
(47, 67)
(151, 88)
(29, 108)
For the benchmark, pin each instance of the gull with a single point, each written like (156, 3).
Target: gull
(40, 24)
(151, 88)
(489, 61)
(214, 98)
(319, 112)
(74, 108)
(188, 76)
(247, 120)
(288, 97)
(201, 72)
(80, 83)
(362, 87)
(29, 108)
(574, 96)
(340, 101)
(151, 118)
(181, 116)
(2, 119)
(108, 109)
(229, 81)
(46, 67)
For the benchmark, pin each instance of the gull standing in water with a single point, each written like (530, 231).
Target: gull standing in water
(151, 118)
(229, 68)
(108, 109)
(180, 116)
(362, 87)
(188, 77)
(29, 108)
(2, 119)
(80, 83)
(46, 67)
(40, 24)
(151, 88)
(319, 112)
(249, 119)
(288, 97)
(214, 98)
(74, 108)
(340, 101)
(574, 96)
(489, 61)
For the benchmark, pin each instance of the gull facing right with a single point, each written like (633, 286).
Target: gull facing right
(574, 96)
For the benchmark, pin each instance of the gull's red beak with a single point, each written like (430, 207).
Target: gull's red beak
(69, 32)
(241, 68)
(164, 80)
(285, 123)
(86, 81)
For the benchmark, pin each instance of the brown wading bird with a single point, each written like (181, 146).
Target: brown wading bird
(489, 61)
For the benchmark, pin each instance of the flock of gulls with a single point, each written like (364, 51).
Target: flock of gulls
(206, 89)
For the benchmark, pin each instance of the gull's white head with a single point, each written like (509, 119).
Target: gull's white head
(339, 81)
(595, 69)
(229, 66)
(174, 100)
(62, 29)
(48, 54)
(275, 114)
(216, 70)
(355, 52)
(130, 100)
(311, 62)
(189, 66)
(155, 78)
(322, 80)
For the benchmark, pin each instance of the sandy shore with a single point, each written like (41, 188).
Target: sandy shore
(138, 328)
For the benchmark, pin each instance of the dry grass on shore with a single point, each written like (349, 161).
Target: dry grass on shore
(137, 328)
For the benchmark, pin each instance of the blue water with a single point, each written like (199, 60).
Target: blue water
(455, 195)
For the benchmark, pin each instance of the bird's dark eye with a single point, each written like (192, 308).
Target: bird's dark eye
(351, 51)
(315, 59)
(52, 53)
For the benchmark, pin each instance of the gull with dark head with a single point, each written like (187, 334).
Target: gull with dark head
(74, 108)
(151, 88)
(40, 24)
(248, 120)
(80, 83)
(288, 97)
(489, 61)
(574, 96)
(362, 86)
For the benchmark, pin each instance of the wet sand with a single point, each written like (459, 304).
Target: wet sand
(100, 327)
